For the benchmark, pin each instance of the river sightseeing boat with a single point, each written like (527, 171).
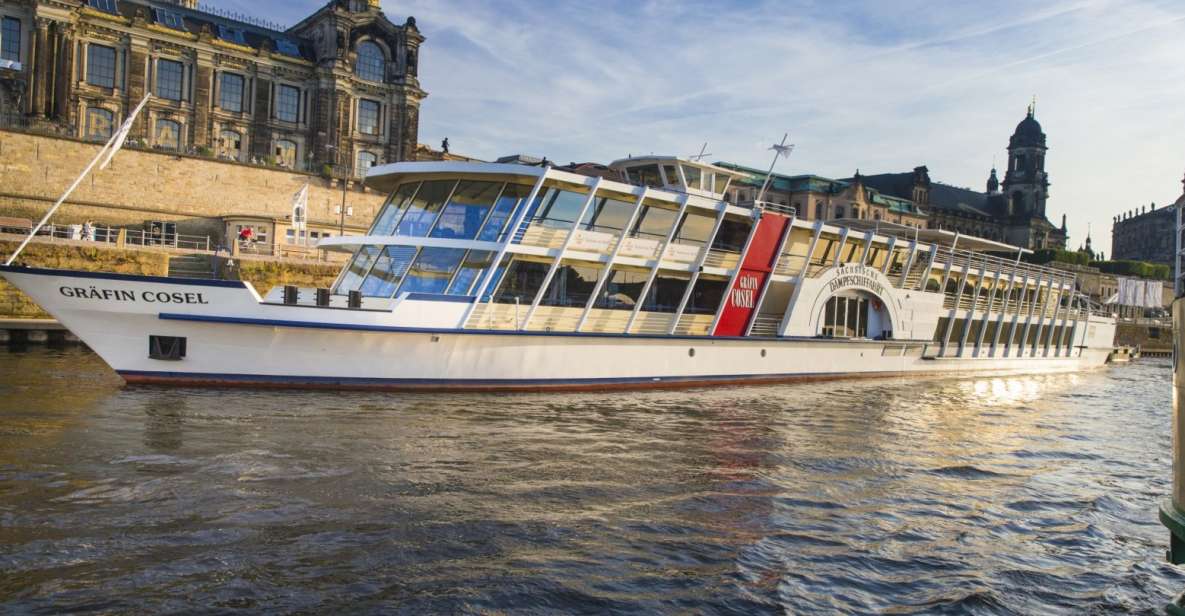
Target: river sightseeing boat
(479, 276)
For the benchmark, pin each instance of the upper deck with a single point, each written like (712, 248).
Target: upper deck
(657, 250)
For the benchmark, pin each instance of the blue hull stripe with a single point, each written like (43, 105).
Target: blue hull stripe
(199, 282)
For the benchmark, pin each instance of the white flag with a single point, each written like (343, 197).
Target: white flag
(300, 203)
(124, 129)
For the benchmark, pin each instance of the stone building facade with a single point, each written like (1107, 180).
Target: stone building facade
(1146, 233)
(340, 88)
(1012, 211)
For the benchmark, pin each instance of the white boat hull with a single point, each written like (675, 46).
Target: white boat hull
(234, 339)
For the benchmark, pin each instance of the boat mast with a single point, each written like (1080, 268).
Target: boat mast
(780, 149)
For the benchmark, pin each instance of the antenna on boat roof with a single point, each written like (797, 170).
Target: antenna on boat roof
(780, 149)
(703, 151)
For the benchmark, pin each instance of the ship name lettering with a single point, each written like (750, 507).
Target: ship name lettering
(118, 295)
(163, 297)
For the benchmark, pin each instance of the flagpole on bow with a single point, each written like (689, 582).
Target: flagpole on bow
(109, 149)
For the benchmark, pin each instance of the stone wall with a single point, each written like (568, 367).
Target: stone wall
(142, 185)
(1147, 337)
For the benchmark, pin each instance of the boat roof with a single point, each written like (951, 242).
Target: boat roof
(653, 159)
(941, 237)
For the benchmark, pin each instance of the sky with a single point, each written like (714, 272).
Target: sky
(871, 85)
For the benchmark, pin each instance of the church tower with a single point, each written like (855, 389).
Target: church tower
(1026, 187)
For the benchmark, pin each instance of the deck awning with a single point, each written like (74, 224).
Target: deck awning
(940, 237)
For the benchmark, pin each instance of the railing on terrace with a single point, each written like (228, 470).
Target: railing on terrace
(974, 260)
(132, 237)
(777, 208)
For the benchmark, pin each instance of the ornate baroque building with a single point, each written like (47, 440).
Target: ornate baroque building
(339, 88)
(1012, 211)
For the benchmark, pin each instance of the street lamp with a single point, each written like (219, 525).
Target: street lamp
(341, 230)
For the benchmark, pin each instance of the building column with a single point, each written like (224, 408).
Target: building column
(65, 73)
(203, 98)
(42, 60)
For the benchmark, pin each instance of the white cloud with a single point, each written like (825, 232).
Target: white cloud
(872, 85)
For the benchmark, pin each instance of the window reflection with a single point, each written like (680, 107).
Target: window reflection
(557, 208)
(508, 202)
(388, 269)
(432, 270)
(521, 282)
(666, 292)
(385, 223)
(572, 285)
(695, 229)
(692, 175)
(466, 210)
(706, 296)
(475, 263)
(607, 215)
(424, 207)
(654, 222)
(359, 266)
(622, 289)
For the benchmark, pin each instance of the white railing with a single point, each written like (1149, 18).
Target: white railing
(132, 237)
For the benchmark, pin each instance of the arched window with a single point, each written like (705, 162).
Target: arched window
(230, 144)
(366, 160)
(371, 65)
(168, 135)
(285, 152)
(99, 123)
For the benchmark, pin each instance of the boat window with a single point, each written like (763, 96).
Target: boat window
(358, 268)
(432, 270)
(622, 289)
(508, 202)
(709, 180)
(732, 235)
(607, 215)
(558, 208)
(706, 296)
(666, 292)
(475, 263)
(692, 175)
(572, 285)
(853, 251)
(424, 207)
(672, 175)
(695, 229)
(722, 184)
(466, 210)
(654, 222)
(388, 270)
(522, 282)
(396, 205)
(646, 175)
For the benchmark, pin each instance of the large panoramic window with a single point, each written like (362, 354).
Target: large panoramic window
(475, 263)
(388, 270)
(646, 175)
(666, 292)
(607, 215)
(99, 123)
(100, 66)
(466, 210)
(368, 117)
(521, 282)
(432, 270)
(168, 135)
(424, 207)
(654, 222)
(371, 64)
(230, 95)
(508, 202)
(287, 103)
(695, 229)
(732, 235)
(385, 223)
(10, 39)
(359, 266)
(571, 286)
(169, 79)
(622, 289)
(557, 208)
(706, 296)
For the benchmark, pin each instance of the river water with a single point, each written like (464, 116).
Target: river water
(1025, 495)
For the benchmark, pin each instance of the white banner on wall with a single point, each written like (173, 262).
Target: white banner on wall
(1142, 293)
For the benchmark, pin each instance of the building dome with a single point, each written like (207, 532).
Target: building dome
(1028, 133)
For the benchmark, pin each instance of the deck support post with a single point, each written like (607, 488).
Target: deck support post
(592, 298)
(987, 312)
(971, 311)
(1044, 312)
(1004, 307)
(699, 267)
(555, 265)
(806, 268)
(954, 310)
(662, 250)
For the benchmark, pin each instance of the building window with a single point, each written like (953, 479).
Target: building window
(288, 103)
(168, 135)
(99, 123)
(285, 152)
(10, 39)
(371, 64)
(100, 66)
(230, 96)
(230, 144)
(368, 117)
(169, 76)
(819, 215)
(366, 160)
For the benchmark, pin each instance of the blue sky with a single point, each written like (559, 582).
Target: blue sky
(875, 85)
